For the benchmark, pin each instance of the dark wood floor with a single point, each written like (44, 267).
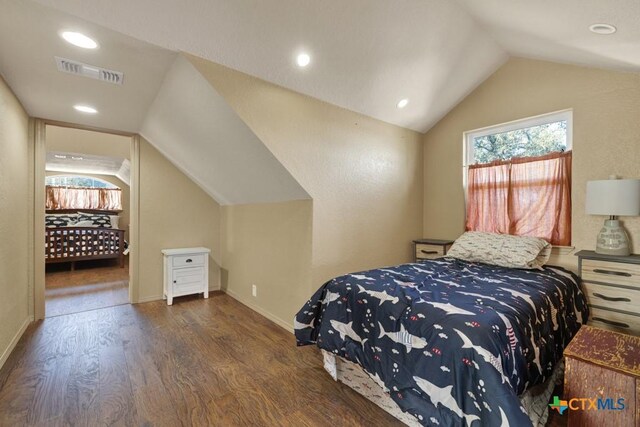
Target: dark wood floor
(199, 362)
(92, 285)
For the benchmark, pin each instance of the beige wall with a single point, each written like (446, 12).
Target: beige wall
(364, 176)
(606, 138)
(268, 245)
(15, 225)
(174, 213)
(70, 140)
(123, 222)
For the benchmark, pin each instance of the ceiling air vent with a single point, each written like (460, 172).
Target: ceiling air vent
(91, 71)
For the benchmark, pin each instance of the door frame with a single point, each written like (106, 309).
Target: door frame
(38, 131)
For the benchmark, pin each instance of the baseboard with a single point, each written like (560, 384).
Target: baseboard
(148, 299)
(159, 297)
(275, 319)
(14, 340)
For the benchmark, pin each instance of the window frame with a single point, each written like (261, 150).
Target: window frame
(111, 186)
(527, 122)
(541, 119)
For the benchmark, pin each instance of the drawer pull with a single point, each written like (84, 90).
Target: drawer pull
(604, 297)
(613, 273)
(611, 322)
(189, 260)
(429, 252)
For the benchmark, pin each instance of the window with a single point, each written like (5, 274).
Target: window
(66, 192)
(78, 181)
(518, 178)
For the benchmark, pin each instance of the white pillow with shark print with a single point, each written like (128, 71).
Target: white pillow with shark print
(501, 249)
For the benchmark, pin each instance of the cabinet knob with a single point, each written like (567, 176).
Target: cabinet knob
(189, 260)
(174, 281)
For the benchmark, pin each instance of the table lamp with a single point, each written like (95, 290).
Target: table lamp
(613, 197)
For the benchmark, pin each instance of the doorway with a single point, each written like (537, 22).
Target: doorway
(86, 200)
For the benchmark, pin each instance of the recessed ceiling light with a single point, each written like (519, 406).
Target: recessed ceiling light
(303, 59)
(76, 158)
(85, 109)
(79, 39)
(59, 156)
(402, 103)
(602, 28)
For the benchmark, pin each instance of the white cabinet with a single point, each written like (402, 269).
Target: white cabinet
(186, 272)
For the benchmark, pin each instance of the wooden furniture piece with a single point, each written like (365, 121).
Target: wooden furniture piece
(612, 286)
(186, 272)
(602, 364)
(431, 248)
(70, 244)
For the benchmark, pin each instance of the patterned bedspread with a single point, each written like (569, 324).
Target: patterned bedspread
(454, 342)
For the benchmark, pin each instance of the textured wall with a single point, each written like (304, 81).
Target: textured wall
(15, 205)
(174, 213)
(606, 138)
(364, 176)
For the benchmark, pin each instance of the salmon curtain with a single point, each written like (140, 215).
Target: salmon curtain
(523, 197)
(108, 199)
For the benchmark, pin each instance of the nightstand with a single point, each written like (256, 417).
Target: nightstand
(186, 272)
(612, 286)
(602, 365)
(431, 248)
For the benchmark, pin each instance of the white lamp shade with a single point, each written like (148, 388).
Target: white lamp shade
(620, 197)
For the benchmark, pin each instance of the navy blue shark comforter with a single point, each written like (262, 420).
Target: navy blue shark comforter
(454, 342)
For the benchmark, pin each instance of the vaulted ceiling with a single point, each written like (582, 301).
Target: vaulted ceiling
(366, 54)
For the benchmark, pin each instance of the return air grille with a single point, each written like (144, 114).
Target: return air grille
(91, 71)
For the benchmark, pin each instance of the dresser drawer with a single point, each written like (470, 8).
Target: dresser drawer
(615, 321)
(612, 297)
(424, 251)
(616, 273)
(187, 260)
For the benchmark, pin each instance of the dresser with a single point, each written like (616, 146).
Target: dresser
(612, 286)
(602, 367)
(186, 272)
(431, 248)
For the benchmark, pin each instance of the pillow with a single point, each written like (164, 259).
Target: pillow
(84, 224)
(501, 249)
(114, 221)
(97, 220)
(59, 220)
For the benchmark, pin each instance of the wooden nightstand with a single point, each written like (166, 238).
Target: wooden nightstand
(186, 272)
(612, 286)
(602, 364)
(431, 248)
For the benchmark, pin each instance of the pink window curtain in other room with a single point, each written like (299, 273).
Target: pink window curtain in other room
(59, 198)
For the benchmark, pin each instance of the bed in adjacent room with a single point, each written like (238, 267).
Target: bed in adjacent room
(452, 341)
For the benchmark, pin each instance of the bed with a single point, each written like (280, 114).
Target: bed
(452, 342)
(70, 240)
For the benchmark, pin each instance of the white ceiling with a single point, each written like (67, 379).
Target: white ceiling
(28, 42)
(366, 54)
(79, 163)
(557, 31)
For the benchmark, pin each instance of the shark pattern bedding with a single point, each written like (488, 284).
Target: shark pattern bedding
(453, 341)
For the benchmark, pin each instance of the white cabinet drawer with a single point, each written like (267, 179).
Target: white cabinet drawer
(187, 260)
(621, 322)
(622, 299)
(616, 273)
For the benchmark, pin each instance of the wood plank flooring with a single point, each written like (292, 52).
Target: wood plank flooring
(93, 285)
(197, 363)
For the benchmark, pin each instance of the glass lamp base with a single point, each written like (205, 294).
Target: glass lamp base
(612, 239)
